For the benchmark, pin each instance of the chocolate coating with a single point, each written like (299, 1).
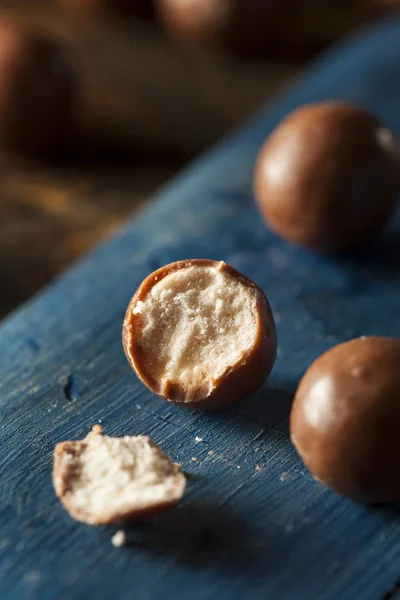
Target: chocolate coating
(38, 92)
(247, 26)
(239, 381)
(345, 419)
(328, 177)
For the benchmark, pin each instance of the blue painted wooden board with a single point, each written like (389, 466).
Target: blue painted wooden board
(253, 523)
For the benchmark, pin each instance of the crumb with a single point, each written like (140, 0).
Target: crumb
(194, 459)
(137, 310)
(257, 449)
(238, 467)
(198, 439)
(103, 480)
(211, 452)
(284, 476)
(119, 539)
(258, 468)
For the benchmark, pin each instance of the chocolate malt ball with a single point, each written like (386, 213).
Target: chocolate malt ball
(38, 92)
(328, 177)
(345, 419)
(246, 26)
(200, 334)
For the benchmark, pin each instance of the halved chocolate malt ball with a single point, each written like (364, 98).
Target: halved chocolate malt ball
(200, 334)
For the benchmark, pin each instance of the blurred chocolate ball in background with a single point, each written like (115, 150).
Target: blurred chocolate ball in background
(328, 177)
(256, 27)
(38, 92)
(247, 26)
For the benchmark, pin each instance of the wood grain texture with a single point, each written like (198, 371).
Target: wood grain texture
(253, 523)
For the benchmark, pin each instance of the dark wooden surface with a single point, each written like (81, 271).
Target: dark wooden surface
(253, 523)
(147, 107)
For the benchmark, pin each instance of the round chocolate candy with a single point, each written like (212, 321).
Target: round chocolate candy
(345, 419)
(246, 26)
(38, 92)
(200, 334)
(328, 177)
